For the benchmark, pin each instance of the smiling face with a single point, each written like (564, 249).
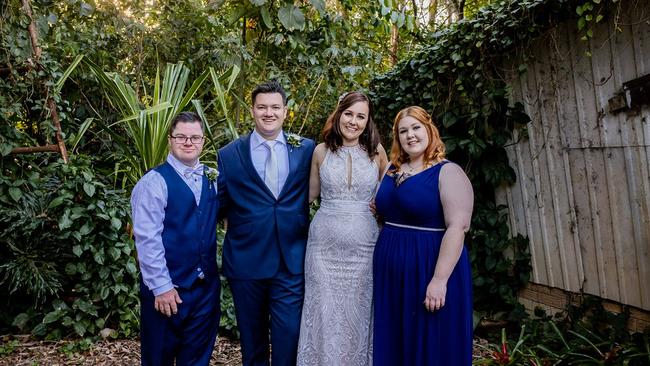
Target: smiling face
(413, 137)
(353, 122)
(180, 145)
(269, 113)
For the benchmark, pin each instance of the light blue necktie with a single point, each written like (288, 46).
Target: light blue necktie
(271, 168)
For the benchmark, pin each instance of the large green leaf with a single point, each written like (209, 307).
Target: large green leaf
(291, 17)
(15, 193)
(266, 17)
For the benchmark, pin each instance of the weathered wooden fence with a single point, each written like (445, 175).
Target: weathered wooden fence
(582, 194)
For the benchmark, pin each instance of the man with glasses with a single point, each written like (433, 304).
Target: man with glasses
(174, 211)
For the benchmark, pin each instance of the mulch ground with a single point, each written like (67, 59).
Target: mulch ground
(23, 350)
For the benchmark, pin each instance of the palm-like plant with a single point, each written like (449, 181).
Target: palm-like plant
(146, 123)
(147, 120)
(222, 90)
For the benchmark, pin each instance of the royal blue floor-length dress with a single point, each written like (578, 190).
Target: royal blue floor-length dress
(405, 333)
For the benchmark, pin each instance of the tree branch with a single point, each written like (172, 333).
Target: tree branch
(33, 149)
(36, 50)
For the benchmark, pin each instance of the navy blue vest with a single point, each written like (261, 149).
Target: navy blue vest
(189, 231)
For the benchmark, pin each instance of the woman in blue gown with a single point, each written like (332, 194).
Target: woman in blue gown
(422, 277)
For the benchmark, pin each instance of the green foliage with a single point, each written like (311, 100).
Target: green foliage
(458, 77)
(9, 347)
(64, 258)
(147, 124)
(228, 320)
(507, 354)
(317, 51)
(147, 119)
(81, 345)
(501, 265)
(582, 335)
(590, 12)
(67, 264)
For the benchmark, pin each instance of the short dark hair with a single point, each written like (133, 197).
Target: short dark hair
(186, 117)
(332, 136)
(271, 86)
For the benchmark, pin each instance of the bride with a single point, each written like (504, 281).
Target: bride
(336, 324)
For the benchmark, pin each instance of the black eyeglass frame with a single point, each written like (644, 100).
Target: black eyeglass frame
(181, 139)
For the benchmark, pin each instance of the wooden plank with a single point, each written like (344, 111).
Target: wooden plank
(641, 47)
(550, 182)
(631, 210)
(640, 29)
(636, 34)
(567, 131)
(510, 195)
(608, 86)
(575, 164)
(515, 195)
(596, 257)
(527, 166)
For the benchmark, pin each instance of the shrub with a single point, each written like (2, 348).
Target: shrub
(65, 254)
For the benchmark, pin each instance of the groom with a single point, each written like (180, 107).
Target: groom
(263, 187)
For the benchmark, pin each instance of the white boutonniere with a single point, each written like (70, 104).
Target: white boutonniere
(294, 140)
(211, 174)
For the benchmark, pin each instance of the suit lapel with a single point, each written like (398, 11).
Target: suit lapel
(244, 149)
(294, 160)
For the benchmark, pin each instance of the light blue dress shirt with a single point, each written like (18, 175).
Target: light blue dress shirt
(260, 153)
(148, 203)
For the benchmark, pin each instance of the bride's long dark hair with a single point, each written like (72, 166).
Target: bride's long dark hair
(369, 139)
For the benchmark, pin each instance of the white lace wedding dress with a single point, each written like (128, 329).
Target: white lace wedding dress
(336, 324)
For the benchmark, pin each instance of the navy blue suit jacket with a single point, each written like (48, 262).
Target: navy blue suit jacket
(262, 229)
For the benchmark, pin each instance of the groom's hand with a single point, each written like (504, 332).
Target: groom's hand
(166, 302)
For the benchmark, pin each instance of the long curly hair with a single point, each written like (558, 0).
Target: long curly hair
(369, 139)
(434, 152)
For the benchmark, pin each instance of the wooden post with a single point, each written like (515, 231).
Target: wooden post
(36, 51)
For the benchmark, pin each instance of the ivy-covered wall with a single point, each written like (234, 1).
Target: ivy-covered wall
(458, 77)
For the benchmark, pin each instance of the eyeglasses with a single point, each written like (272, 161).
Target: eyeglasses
(182, 139)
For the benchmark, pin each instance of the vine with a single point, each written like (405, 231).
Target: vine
(458, 76)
